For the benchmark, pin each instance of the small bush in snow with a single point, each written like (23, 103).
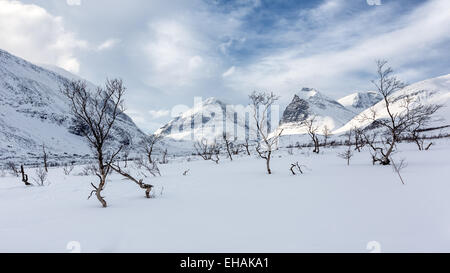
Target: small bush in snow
(41, 176)
(12, 168)
(67, 169)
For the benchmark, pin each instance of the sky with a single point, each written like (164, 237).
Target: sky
(168, 52)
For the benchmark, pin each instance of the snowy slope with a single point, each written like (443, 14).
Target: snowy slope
(309, 103)
(236, 207)
(34, 112)
(207, 119)
(360, 101)
(431, 91)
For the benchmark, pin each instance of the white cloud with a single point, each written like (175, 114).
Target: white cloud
(155, 114)
(336, 63)
(176, 54)
(229, 72)
(110, 43)
(29, 31)
(73, 2)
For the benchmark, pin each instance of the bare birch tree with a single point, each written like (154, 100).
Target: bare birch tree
(312, 130)
(398, 121)
(148, 144)
(98, 111)
(261, 103)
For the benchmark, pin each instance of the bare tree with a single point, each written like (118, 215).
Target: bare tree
(148, 144)
(347, 154)
(228, 145)
(262, 103)
(207, 151)
(312, 130)
(164, 157)
(41, 176)
(98, 112)
(326, 132)
(399, 122)
(44, 153)
(246, 146)
(419, 123)
(358, 135)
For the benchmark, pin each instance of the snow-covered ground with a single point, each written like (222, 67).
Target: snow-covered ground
(236, 207)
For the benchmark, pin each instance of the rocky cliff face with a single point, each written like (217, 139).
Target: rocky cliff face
(310, 103)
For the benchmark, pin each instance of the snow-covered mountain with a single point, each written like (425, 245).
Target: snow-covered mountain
(360, 101)
(431, 91)
(208, 119)
(309, 103)
(34, 112)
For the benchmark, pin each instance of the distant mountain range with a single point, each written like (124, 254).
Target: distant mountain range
(33, 112)
(338, 116)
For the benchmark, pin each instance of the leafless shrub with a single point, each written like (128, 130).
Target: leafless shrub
(296, 166)
(358, 138)
(326, 132)
(151, 168)
(347, 154)
(12, 168)
(398, 167)
(207, 151)
(246, 146)
(164, 157)
(89, 169)
(41, 176)
(290, 151)
(67, 169)
(228, 144)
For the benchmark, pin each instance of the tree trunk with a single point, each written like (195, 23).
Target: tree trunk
(103, 175)
(45, 159)
(385, 160)
(316, 145)
(268, 162)
(98, 194)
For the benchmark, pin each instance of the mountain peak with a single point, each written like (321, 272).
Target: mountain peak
(360, 101)
(310, 102)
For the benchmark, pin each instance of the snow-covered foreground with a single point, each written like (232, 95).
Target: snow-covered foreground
(236, 207)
